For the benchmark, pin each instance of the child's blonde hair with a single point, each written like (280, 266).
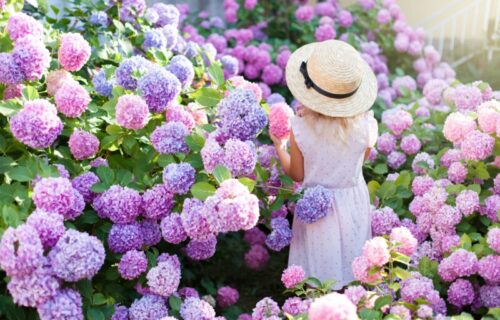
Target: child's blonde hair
(334, 127)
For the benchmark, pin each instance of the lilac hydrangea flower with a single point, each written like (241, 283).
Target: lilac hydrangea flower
(121, 313)
(154, 39)
(490, 296)
(169, 138)
(281, 236)
(76, 256)
(230, 66)
(83, 144)
(131, 9)
(57, 195)
(410, 144)
(460, 263)
(384, 220)
(182, 68)
(72, 99)
(240, 157)
(240, 115)
(257, 257)
(193, 219)
(66, 304)
(420, 159)
(125, 237)
(99, 18)
(83, 184)
(157, 202)
(132, 264)
(202, 249)
(21, 25)
(120, 204)
(265, 309)
(195, 309)
(33, 289)
(295, 306)
(467, 98)
(102, 85)
(151, 232)
(172, 229)
(21, 251)
(126, 72)
(227, 296)
(32, 57)
(36, 124)
(164, 279)
(10, 73)
(48, 225)
(212, 155)
(167, 14)
(178, 177)
(159, 88)
(148, 307)
(131, 112)
(461, 293)
(314, 205)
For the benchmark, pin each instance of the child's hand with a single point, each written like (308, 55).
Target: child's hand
(278, 143)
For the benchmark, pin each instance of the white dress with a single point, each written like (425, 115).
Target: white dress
(325, 249)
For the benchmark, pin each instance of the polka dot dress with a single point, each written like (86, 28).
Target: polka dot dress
(326, 248)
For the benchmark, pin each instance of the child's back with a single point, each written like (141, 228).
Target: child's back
(326, 248)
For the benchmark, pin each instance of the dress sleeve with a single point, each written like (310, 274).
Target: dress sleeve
(372, 129)
(298, 132)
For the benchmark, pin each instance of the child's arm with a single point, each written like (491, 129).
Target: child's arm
(293, 163)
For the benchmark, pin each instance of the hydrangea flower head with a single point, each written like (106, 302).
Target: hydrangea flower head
(265, 309)
(194, 221)
(159, 88)
(20, 25)
(314, 205)
(72, 99)
(128, 68)
(172, 229)
(333, 306)
(182, 68)
(10, 73)
(57, 195)
(65, 304)
(227, 296)
(169, 138)
(149, 306)
(292, 276)
(120, 204)
(157, 202)
(48, 225)
(74, 51)
(131, 112)
(31, 56)
(125, 237)
(132, 264)
(201, 249)
(279, 120)
(193, 309)
(83, 144)
(55, 79)
(384, 220)
(178, 177)
(376, 251)
(457, 126)
(477, 146)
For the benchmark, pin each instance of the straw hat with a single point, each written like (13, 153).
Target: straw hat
(331, 78)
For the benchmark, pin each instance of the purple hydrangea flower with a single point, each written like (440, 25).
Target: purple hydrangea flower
(240, 115)
(490, 296)
(66, 304)
(422, 158)
(21, 251)
(131, 112)
(76, 256)
(194, 222)
(131, 9)
(194, 309)
(32, 57)
(202, 249)
(125, 237)
(230, 65)
(151, 232)
(48, 225)
(72, 99)
(83, 184)
(240, 157)
(157, 202)
(57, 195)
(127, 71)
(182, 68)
(148, 307)
(21, 25)
(488, 268)
(154, 39)
(74, 51)
(102, 85)
(386, 143)
(314, 205)
(467, 98)
(120, 204)
(227, 296)
(37, 124)
(99, 18)
(167, 14)
(178, 177)
(460, 263)
(35, 288)
(10, 73)
(169, 138)
(164, 279)
(281, 236)
(159, 88)
(121, 313)
(132, 264)
(461, 293)
(212, 155)
(265, 309)
(384, 220)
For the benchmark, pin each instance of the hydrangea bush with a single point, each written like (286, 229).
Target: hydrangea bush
(139, 181)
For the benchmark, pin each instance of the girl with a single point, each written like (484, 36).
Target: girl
(329, 142)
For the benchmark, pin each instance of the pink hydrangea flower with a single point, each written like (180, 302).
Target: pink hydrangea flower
(397, 120)
(467, 202)
(477, 146)
(83, 144)
(360, 268)
(404, 240)
(457, 172)
(376, 251)
(74, 51)
(279, 120)
(493, 239)
(333, 306)
(457, 126)
(410, 144)
(72, 99)
(292, 276)
(325, 32)
(421, 184)
(131, 112)
(488, 115)
(20, 25)
(55, 79)
(304, 13)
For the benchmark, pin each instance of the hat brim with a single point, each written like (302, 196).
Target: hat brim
(354, 105)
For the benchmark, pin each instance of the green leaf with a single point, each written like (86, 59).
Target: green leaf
(29, 93)
(465, 242)
(404, 179)
(373, 187)
(10, 216)
(6, 163)
(207, 97)
(221, 174)
(382, 301)
(247, 182)
(95, 314)
(387, 189)
(98, 299)
(114, 129)
(202, 190)
(313, 282)
(195, 142)
(165, 159)
(175, 303)
(399, 257)
(367, 314)
(105, 174)
(20, 173)
(216, 73)
(401, 273)
(427, 267)
(99, 187)
(277, 203)
(9, 107)
(381, 168)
